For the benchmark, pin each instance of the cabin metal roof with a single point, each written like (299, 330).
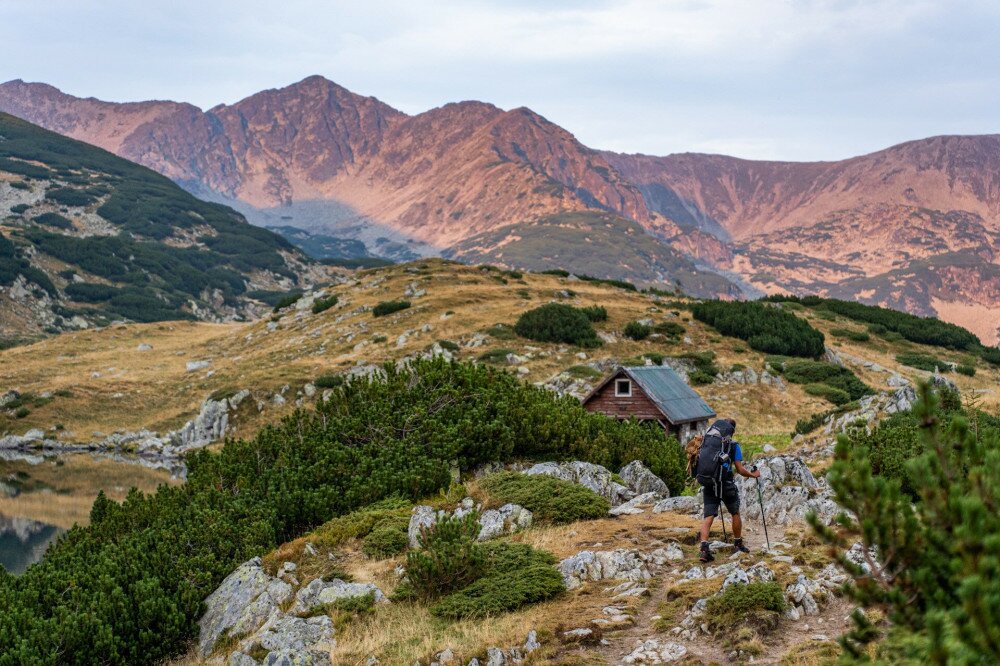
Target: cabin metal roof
(678, 402)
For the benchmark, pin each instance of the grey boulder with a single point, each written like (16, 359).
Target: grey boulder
(245, 600)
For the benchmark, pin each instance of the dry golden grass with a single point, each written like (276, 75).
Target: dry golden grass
(115, 387)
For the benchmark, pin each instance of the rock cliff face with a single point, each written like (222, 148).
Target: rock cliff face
(905, 227)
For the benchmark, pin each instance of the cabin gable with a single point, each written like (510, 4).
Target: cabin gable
(608, 400)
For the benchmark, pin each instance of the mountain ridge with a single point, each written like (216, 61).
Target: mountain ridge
(315, 156)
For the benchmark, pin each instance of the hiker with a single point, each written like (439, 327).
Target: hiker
(717, 458)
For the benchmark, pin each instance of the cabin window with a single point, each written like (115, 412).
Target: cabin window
(623, 388)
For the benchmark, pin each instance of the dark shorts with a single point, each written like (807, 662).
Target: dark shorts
(730, 496)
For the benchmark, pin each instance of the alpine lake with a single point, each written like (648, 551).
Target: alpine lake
(43, 495)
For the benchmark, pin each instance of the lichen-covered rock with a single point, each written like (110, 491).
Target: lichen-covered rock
(803, 594)
(296, 634)
(736, 577)
(241, 659)
(297, 658)
(507, 519)
(320, 593)
(637, 504)
(587, 565)
(423, 517)
(789, 492)
(652, 651)
(641, 480)
(680, 504)
(597, 478)
(245, 600)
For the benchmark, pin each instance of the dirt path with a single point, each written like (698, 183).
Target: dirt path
(808, 641)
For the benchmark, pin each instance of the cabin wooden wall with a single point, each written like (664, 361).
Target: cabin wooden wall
(637, 406)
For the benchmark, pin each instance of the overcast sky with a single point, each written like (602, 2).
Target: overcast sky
(771, 79)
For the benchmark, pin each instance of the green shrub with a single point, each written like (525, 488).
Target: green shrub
(834, 395)
(765, 328)
(516, 575)
(498, 355)
(383, 542)
(755, 603)
(388, 307)
(22, 412)
(923, 361)
(557, 322)
(877, 329)
(287, 300)
(158, 556)
(655, 357)
(820, 372)
(501, 332)
(549, 499)
(936, 580)
(705, 368)
(449, 345)
(391, 514)
(967, 370)
(324, 304)
(328, 381)
(584, 372)
(595, 313)
(701, 378)
(620, 284)
(637, 331)
(558, 272)
(671, 329)
(54, 220)
(68, 196)
(449, 558)
(850, 334)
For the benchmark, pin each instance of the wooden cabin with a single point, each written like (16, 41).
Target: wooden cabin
(652, 393)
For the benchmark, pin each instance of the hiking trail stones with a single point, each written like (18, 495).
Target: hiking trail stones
(652, 651)
(587, 565)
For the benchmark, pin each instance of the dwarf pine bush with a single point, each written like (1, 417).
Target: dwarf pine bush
(129, 587)
(557, 322)
(935, 560)
(549, 499)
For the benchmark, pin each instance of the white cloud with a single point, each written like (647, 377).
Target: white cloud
(761, 78)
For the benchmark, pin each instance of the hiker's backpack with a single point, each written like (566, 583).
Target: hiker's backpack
(715, 450)
(691, 450)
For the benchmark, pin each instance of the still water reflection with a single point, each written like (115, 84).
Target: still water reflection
(43, 496)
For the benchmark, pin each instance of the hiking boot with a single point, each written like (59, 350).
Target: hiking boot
(706, 553)
(740, 546)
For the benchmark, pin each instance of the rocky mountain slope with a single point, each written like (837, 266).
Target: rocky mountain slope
(87, 237)
(315, 156)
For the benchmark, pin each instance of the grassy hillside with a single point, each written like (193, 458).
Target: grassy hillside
(87, 237)
(470, 307)
(599, 244)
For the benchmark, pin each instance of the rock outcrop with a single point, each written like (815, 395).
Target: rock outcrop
(588, 565)
(789, 491)
(597, 478)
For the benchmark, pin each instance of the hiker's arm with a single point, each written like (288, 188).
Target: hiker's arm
(743, 471)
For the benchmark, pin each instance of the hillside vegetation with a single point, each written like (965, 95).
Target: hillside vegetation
(100, 238)
(141, 569)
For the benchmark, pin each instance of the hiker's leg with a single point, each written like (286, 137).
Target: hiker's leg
(706, 527)
(737, 526)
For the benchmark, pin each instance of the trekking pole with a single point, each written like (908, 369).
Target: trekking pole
(722, 517)
(763, 517)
